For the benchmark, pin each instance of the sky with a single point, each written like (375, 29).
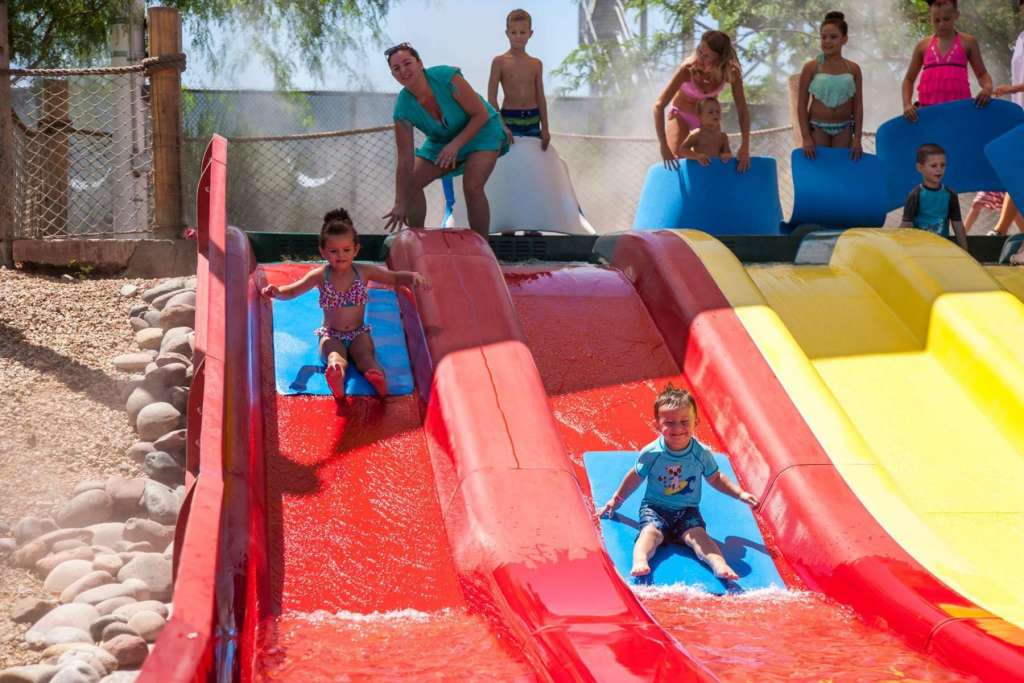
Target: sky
(463, 33)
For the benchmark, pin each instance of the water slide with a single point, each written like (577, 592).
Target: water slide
(468, 498)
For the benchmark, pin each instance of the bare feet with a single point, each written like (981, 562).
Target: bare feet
(722, 570)
(640, 568)
(377, 380)
(336, 380)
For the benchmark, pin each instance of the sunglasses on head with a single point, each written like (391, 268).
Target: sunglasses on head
(392, 50)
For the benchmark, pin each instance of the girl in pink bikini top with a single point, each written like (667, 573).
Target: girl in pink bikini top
(356, 295)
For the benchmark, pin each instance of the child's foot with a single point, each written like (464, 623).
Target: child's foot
(640, 568)
(336, 380)
(377, 380)
(723, 571)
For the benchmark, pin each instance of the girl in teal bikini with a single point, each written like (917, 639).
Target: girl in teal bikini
(464, 136)
(831, 105)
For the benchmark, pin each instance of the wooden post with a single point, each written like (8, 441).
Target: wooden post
(794, 102)
(54, 163)
(165, 110)
(6, 147)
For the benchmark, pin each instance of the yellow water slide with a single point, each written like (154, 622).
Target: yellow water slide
(905, 358)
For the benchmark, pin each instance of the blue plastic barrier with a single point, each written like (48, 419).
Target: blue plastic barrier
(298, 368)
(714, 198)
(834, 191)
(730, 523)
(962, 129)
(1006, 154)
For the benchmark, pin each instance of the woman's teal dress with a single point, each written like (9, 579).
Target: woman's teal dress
(453, 119)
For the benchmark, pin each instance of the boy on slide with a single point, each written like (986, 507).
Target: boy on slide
(931, 205)
(709, 141)
(672, 466)
(524, 109)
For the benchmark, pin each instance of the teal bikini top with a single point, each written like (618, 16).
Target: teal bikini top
(832, 90)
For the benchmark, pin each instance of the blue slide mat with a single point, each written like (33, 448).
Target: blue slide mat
(297, 365)
(714, 198)
(729, 521)
(834, 191)
(962, 129)
(1006, 153)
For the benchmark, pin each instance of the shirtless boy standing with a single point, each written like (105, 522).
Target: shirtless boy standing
(524, 109)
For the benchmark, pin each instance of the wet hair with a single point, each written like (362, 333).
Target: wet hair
(337, 223)
(928, 149)
(672, 397)
(838, 20)
(705, 102)
(518, 15)
(401, 47)
(720, 43)
(933, 3)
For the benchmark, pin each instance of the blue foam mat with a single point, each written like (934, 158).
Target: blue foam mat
(1006, 154)
(729, 521)
(822, 189)
(713, 198)
(297, 365)
(962, 129)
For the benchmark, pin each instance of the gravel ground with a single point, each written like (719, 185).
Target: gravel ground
(62, 419)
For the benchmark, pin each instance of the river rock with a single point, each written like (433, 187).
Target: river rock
(117, 628)
(66, 634)
(31, 610)
(76, 615)
(170, 375)
(96, 627)
(147, 625)
(163, 468)
(154, 570)
(155, 606)
(186, 297)
(89, 507)
(172, 443)
(179, 315)
(133, 362)
(139, 529)
(106, 534)
(69, 544)
(110, 606)
(30, 528)
(138, 323)
(121, 677)
(178, 397)
(152, 317)
(126, 494)
(46, 565)
(35, 673)
(76, 672)
(66, 573)
(107, 562)
(7, 546)
(149, 392)
(160, 503)
(86, 485)
(90, 581)
(27, 555)
(168, 285)
(139, 450)
(155, 420)
(127, 589)
(162, 301)
(129, 651)
(52, 537)
(149, 338)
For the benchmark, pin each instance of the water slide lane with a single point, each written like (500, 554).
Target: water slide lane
(840, 451)
(523, 540)
(354, 528)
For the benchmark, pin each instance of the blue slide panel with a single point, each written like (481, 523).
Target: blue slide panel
(962, 129)
(1006, 153)
(834, 191)
(298, 368)
(729, 522)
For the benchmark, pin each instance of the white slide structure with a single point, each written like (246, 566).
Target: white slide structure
(530, 189)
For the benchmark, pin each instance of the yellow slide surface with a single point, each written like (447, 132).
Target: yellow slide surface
(903, 356)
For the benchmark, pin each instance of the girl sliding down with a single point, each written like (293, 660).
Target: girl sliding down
(831, 106)
(343, 296)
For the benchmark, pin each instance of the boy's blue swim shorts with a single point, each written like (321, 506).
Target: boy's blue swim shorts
(672, 523)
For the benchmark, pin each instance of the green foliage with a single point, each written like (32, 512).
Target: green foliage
(774, 38)
(285, 35)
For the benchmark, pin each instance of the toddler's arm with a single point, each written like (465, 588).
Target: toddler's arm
(394, 278)
(630, 483)
(916, 62)
(724, 151)
(727, 485)
(687, 151)
(294, 289)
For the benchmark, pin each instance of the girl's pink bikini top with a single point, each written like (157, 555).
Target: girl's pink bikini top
(944, 77)
(356, 295)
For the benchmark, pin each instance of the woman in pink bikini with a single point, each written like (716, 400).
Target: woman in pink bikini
(941, 61)
(704, 74)
(343, 296)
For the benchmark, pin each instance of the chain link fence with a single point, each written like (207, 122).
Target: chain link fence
(82, 153)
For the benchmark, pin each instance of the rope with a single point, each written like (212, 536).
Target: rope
(303, 136)
(148, 64)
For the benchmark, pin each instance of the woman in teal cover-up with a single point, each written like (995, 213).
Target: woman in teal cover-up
(464, 136)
